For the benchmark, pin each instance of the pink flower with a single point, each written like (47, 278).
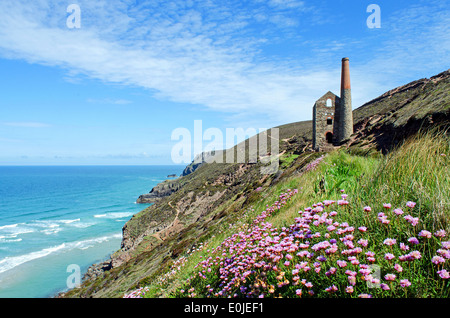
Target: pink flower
(437, 260)
(341, 264)
(349, 289)
(440, 233)
(390, 241)
(331, 289)
(367, 209)
(364, 296)
(398, 268)
(363, 242)
(386, 205)
(410, 204)
(413, 240)
(405, 283)
(415, 254)
(384, 286)
(443, 274)
(404, 247)
(398, 211)
(425, 233)
(390, 277)
(389, 256)
(362, 228)
(298, 292)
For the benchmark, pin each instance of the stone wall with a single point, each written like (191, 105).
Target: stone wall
(324, 119)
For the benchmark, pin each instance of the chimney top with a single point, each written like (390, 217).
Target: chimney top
(345, 59)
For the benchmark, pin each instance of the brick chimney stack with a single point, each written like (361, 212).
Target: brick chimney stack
(345, 107)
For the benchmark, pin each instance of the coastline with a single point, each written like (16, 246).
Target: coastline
(159, 191)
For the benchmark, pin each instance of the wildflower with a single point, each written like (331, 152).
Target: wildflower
(437, 260)
(331, 271)
(398, 211)
(364, 296)
(384, 286)
(298, 292)
(446, 245)
(386, 205)
(405, 283)
(444, 274)
(367, 209)
(404, 247)
(398, 268)
(410, 204)
(440, 233)
(341, 264)
(352, 280)
(411, 220)
(363, 242)
(425, 233)
(349, 289)
(353, 260)
(390, 277)
(331, 289)
(415, 254)
(413, 240)
(383, 220)
(390, 241)
(388, 256)
(362, 228)
(309, 285)
(444, 253)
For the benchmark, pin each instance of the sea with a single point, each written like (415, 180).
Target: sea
(56, 221)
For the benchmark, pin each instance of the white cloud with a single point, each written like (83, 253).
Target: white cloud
(199, 53)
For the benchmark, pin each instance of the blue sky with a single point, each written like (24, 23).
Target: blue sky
(114, 90)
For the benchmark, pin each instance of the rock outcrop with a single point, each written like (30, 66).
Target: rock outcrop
(161, 190)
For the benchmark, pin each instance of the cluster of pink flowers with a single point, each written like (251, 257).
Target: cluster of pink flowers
(319, 254)
(313, 165)
(138, 293)
(265, 261)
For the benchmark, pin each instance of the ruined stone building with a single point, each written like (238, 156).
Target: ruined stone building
(332, 115)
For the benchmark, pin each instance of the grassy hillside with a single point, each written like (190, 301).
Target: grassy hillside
(348, 215)
(216, 201)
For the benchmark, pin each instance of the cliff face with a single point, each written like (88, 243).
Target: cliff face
(386, 121)
(198, 204)
(161, 190)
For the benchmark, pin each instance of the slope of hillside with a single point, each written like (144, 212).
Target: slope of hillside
(213, 197)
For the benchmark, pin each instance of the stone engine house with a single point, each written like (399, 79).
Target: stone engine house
(332, 115)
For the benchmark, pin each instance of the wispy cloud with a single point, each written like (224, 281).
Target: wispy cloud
(109, 101)
(26, 124)
(203, 52)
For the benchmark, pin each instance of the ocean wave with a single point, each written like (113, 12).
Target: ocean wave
(43, 226)
(11, 262)
(114, 215)
(13, 230)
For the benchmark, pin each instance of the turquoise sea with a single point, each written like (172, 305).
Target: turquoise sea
(57, 218)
